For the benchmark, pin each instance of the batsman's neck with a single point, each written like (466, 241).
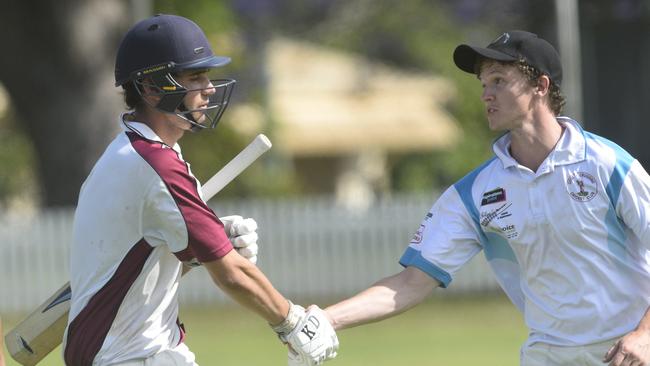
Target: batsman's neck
(169, 127)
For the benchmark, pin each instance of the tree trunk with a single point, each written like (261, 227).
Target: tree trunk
(57, 65)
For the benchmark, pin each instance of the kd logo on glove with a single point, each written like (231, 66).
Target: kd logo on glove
(308, 332)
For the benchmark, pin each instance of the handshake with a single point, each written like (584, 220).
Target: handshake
(309, 335)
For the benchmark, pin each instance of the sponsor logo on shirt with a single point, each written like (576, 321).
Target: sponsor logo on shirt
(499, 212)
(417, 237)
(582, 186)
(506, 229)
(493, 196)
(509, 231)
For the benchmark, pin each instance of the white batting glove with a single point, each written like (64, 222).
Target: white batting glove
(312, 339)
(243, 235)
(296, 359)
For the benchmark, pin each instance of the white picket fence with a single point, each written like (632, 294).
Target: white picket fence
(310, 248)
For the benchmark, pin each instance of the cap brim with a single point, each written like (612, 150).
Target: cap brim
(465, 57)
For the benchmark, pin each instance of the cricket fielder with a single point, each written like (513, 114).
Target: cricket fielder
(562, 216)
(141, 220)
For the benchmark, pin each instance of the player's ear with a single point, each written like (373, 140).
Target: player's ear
(149, 90)
(543, 85)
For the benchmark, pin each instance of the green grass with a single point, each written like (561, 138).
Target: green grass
(457, 331)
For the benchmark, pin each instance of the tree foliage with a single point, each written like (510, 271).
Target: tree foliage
(64, 107)
(17, 180)
(58, 74)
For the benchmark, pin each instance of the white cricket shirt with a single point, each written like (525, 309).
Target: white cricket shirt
(140, 213)
(568, 243)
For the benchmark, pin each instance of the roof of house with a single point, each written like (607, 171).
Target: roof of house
(327, 102)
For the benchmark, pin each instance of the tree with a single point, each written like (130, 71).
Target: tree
(57, 66)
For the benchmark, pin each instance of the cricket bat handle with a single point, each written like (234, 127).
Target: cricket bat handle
(42, 331)
(234, 167)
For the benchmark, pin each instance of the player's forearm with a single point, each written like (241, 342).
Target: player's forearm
(256, 293)
(247, 285)
(388, 297)
(373, 304)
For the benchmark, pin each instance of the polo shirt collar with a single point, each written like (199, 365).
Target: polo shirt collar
(571, 148)
(145, 131)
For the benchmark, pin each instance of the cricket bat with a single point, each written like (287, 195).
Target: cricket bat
(42, 331)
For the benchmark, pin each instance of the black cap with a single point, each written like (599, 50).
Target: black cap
(511, 46)
(163, 42)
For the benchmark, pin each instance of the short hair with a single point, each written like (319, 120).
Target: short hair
(532, 74)
(132, 97)
(556, 99)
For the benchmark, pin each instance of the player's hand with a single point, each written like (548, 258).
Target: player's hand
(632, 349)
(243, 235)
(313, 340)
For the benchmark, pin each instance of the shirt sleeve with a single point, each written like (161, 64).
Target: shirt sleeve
(445, 241)
(175, 215)
(633, 204)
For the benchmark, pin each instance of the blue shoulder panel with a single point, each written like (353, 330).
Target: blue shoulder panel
(464, 189)
(623, 164)
(494, 246)
(615, 226)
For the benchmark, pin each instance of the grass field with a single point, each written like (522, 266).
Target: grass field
(457, 331)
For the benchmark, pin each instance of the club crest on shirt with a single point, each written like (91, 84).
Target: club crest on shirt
(493, 196)
(581, 186)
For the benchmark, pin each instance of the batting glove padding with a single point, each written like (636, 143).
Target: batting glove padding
(313, 340)
(243, 235)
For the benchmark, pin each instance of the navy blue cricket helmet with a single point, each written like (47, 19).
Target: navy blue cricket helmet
(157, 48)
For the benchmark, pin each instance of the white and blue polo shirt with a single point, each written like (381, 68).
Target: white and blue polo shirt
(569, 244)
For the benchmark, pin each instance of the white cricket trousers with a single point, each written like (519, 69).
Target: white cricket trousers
(179, 356)
(542, 354)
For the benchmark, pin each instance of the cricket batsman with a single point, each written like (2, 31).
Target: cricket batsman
(141, 221)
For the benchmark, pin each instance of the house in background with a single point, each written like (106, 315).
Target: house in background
(337, 117)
